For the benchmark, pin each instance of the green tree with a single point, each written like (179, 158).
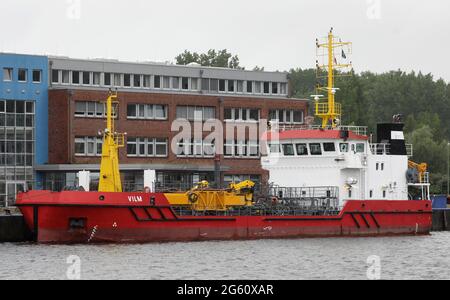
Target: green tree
(212, 58)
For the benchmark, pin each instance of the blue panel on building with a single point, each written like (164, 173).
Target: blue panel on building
(23, 119)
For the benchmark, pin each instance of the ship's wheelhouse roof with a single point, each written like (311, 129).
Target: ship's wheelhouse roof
(312, 135)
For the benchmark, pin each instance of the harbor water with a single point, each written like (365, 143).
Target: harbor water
(422, 257)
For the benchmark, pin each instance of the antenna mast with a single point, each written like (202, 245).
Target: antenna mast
(328, 110)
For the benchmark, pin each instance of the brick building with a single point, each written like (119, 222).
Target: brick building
(151, 97)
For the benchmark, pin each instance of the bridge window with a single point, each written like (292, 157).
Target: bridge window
(288, 150)
(302, 149)
(344, 147)
(274, 148)
(360, 148)
(315, 149)
(329, 147)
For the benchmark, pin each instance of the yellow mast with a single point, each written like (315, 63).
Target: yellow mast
(109, 169)
(330, 112)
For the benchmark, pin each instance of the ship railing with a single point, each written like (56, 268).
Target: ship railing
(385, 149)
(359, 130)
(409, 150)
(322, 192)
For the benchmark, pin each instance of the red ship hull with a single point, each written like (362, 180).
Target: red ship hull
(82, 217)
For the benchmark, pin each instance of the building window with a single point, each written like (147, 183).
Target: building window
(55, 76)
(231, 88)
(266, 87)
(96, 78)
(117, 80)
(185, 83)
(242, 114)
(287, 116)
(194, 84)
(88, 146)
(75, 77)
(214, 85)
(241, 149)
(147, 81)
(283, 88)
(240, 86)
(37, 76)
(107, 79)
(205, 84)
(175, 83)
(258, 87)
(22, 75)
(222, 85)
(196, 113)
(157, 82)
(249, 87)
(274, 88)
(147, 147)
(86, 78)
(65, 77)
(147, 111)
(137, 81)
(166, 82)
(127, 80)
(91, 109)
(7, 74)
(195, 148)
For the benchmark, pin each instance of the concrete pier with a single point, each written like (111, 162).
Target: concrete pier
(441, 220)
(12, 227)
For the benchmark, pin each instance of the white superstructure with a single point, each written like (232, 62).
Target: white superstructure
(341, 158)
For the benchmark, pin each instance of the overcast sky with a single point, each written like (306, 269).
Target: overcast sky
(276, 34)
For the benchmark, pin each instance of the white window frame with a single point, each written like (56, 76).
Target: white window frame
(40, 75)
(26, 75)
(11, 75)
(98, 142)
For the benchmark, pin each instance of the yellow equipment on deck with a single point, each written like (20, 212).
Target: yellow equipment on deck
(203, 198)
(421, 169)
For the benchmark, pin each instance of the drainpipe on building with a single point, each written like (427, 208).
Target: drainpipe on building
(201, 82)
(71, 140)
(50, 73)
(219, 158)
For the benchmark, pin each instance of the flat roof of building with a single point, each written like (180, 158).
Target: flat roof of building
(164, 69)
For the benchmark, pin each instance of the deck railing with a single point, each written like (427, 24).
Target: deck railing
(359, 130)
(385, 149)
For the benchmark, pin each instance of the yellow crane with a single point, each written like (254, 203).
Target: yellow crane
(420, 168)
(203, 198)
(109, 168)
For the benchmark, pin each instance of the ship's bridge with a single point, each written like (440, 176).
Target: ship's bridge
(344, 157)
